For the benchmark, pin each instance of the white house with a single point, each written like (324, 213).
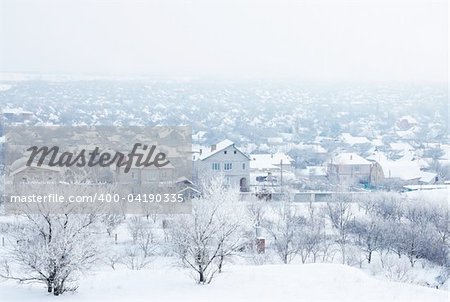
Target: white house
(270, 162)
(270, 166)
(351, 140)
(225, 159)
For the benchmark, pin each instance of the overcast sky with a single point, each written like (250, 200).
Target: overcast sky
(315, 40)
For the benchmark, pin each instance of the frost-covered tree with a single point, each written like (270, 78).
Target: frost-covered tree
(202, 240)
(256, 211)
(52, 248)
(440, 221)
(137, 254)
(284, 228)
(341, 217)
(369, 232)
(112, 221)
(313, 240)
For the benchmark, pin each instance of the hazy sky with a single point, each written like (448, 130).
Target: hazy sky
(317, 39)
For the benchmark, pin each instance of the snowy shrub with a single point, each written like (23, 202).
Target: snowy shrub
(137, 255)
(354, 257)
(397, 269)
(135, 258)
(112, 221)
(113, 256)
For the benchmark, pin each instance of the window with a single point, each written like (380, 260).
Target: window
(243, 166)
(228, 166)
(225, 152)
(150, 175)
(235, 152)
(216, 166)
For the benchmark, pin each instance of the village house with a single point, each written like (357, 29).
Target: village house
(17, 115)
(406, 122)
(147, 179)
(349, 168)
(20, 173)
(270, 168)
(404, 171)
(224, 159)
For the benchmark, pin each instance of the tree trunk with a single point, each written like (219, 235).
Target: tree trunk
(201, 277)
(220, 263)
(49, 286)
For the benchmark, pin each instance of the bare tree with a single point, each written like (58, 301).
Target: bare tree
(137, 255)
(369, 232)
(284, 228)
(341, 218)
(212, 232)
(256, 209)
(112, 221)
(52, 248)
(312, 235)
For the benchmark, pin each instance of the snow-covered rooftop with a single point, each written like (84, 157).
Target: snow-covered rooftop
(349, 159)
(207, 152)
(269, 161)
(401, 146)
(354, 140)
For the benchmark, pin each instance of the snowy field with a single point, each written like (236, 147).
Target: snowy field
(386, 278)
(307, 282)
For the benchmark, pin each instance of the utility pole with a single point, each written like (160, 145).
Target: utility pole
(281, 178)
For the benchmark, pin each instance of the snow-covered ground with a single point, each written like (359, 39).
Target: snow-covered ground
(237, 283)
(441, 196)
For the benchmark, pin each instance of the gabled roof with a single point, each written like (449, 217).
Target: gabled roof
(34, 166)
(401, 169)
(188, 188)
(354, 140)
(349, 159)
(399, 146)
(427, 177)
(269, 161)
(219, 147)
(184, 180)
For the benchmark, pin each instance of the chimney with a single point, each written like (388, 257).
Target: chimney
(351, 157)
(201, 151)
(213, 148)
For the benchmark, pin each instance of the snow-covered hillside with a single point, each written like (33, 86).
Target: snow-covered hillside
(237, 283)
